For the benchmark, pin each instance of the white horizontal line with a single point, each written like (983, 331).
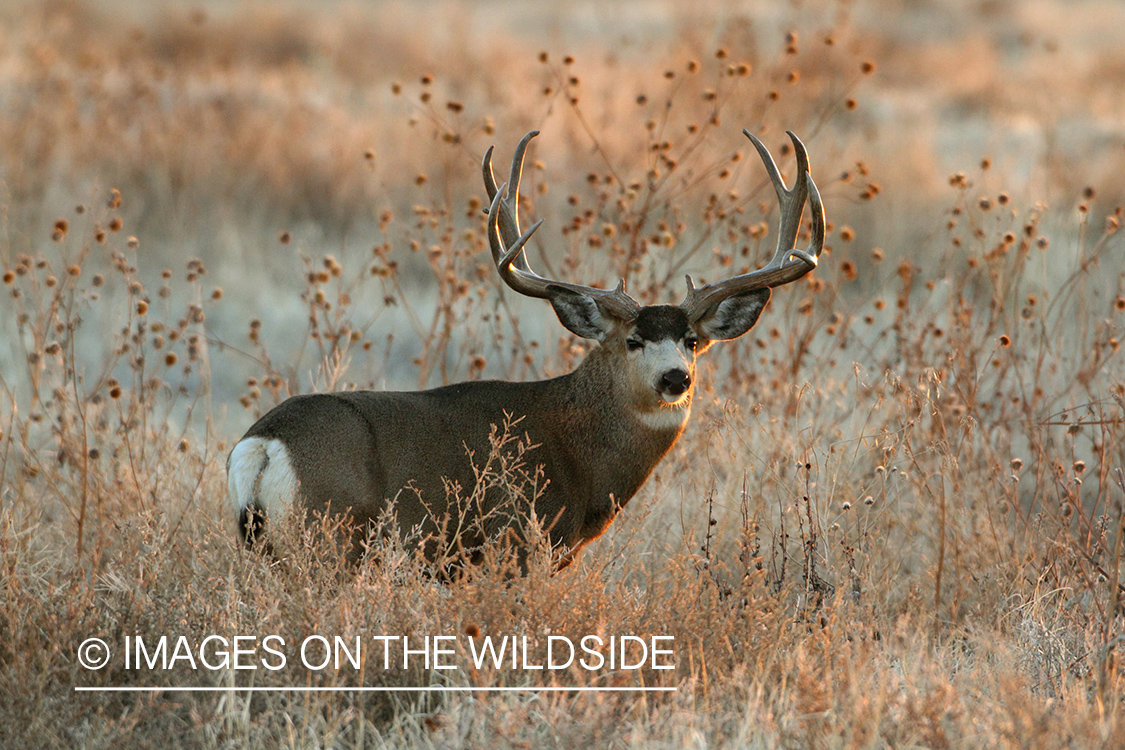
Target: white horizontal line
(433, 689)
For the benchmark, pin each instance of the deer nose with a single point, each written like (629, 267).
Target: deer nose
(675, 382)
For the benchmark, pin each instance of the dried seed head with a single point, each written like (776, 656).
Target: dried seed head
(1079, 466)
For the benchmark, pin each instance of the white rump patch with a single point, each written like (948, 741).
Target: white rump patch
(261, 474)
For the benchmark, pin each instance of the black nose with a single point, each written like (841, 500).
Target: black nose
(675, 382)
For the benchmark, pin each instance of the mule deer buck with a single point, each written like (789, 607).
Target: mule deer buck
(597, 432)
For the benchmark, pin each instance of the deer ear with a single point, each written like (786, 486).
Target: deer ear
(733, 316)
(580, 314)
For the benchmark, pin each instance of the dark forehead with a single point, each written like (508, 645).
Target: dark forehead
(661, 322)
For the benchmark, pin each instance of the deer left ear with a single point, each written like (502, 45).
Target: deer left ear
(581, 314)
(733, 316)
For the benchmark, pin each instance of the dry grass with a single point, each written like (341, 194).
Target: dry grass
(895, 518)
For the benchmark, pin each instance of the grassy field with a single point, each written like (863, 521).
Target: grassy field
(894, 520)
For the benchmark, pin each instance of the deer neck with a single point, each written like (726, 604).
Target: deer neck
(607, 442)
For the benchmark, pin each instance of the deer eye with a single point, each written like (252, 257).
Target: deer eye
(634, 344)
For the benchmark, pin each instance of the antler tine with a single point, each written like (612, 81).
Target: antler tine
(509, 211)
(507, 244)
(780, 270)
(791, 202)
(523, 280)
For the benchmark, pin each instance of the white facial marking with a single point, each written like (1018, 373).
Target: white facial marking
(661, 356)
(665, 418)
(261, 473)
(668, 410)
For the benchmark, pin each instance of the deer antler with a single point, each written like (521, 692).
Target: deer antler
(781, 270)
(507, 244)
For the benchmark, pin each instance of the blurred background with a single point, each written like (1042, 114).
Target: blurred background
(261, 137)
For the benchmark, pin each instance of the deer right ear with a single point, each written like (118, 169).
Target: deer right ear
(580, 314)
(733, 316)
